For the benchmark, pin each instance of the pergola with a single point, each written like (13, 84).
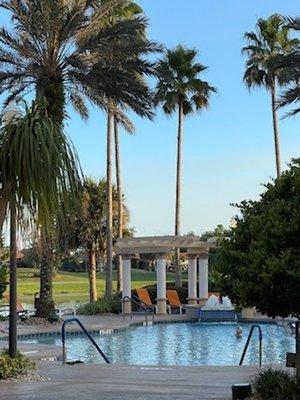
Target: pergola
(161, 246)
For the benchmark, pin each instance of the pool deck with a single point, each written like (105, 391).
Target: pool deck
(118, 382)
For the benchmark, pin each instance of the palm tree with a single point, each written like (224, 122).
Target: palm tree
(290, 64)
(270, 41)
(180, 89)
(92, 227)
(129, 10)
(67, 52)
(39, 166)
(87, 226)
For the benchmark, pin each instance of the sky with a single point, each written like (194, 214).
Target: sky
(228, 149)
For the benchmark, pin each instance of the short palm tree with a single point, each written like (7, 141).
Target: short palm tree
(92, 230)
(181, 90)
(37, 167)
(269, 42)
(87, 225)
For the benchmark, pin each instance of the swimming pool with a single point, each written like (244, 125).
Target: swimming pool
(180, 344)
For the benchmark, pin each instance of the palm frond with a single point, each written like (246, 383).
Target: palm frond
(179, 82)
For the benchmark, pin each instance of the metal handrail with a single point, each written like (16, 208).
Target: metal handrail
(63, 339)
(139, 303)
(248, 341)
(142, 303)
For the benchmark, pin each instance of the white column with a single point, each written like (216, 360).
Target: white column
(192, 279)
(126, 278)
(161, 284)
(203, 278)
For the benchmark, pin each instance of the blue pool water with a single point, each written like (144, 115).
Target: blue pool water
(180, 344)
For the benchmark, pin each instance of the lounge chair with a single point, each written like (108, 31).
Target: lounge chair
(22, 313)
(174, 301)
(145, 299)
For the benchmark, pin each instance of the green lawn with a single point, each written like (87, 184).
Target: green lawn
(73, 286)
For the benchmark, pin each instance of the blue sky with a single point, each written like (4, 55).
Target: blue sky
(228, 150)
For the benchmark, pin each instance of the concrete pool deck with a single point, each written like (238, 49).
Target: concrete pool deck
(117, 382)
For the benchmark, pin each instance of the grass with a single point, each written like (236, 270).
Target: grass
(73, 286)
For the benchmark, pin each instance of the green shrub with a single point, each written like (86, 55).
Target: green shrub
(102, 306)
(13, 367)
(276, 385)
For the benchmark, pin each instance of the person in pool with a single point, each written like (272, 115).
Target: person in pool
(239, 332)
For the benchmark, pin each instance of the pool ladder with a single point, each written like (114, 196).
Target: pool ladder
(248, 341)
(145, 307)
(84, 330)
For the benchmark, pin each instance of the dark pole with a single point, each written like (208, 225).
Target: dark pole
(13, 283)
(297, 346)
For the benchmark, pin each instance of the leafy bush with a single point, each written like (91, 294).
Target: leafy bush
(3, 279)
(276, 385)
(259, 263)
(13, 367)
(102, 306)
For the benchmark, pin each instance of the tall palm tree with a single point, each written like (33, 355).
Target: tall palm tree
(270, 40)
(181, 90)
(39, 166)
(129, 10)
(290, 64)
(64, 50)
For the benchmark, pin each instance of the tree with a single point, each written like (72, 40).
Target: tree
(66, 51)
(264, 47)
(138, 75)
(38, 165)
(86, 226)
(291, 66)
(260, 262)
(129, 10)
(92, 227)
(180, 89)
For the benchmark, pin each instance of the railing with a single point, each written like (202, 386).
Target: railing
(248, 341)
(63, 339)
(139, 303)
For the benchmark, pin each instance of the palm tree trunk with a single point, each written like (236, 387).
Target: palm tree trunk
(178, 280)
(45, 305)
(52, 90)
(109, 244)
(13, 283)
(92, 275)
(276, 129)
(120, 202)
